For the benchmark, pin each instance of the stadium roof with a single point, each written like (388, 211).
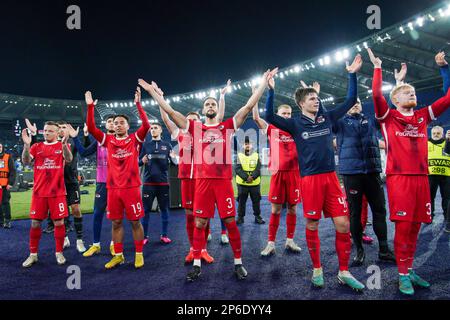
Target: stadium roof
(414, 41)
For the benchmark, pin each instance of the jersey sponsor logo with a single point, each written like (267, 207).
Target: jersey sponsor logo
(401, 213)
(320, 119)
(284, 139)
(221, 127)
(410, 131)
(121, 153)
(315, 134)
(212, 137)
(311, 213)
(156, 156)
(48, 164)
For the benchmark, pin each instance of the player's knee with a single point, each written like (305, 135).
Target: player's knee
(58, 223)
(292, 210)
(116, 224)
(312, 225)
(228, 220)
(201, 223)
(343, 226)
(36, 224)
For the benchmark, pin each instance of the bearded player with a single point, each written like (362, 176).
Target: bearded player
(49, 192)
(212, 169)
(123, 181)
(405, 133)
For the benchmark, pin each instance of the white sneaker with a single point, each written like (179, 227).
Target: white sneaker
(292, 246)
(224, 239)
(32, 259)
(209, 237)
(269, 249)
(66, 242)
(80, 246)
(60, 258)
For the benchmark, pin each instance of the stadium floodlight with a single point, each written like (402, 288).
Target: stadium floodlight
(313, 65)
(321, 62)
(432, 19)
(261, 110)
(402, 30)
(346, 53)
(239, 86)
(411, 26)
(307, 67)
(420, 21)
(116, 105)
(257, 80)
(359, 48)
(366, 46)
(327, 60)
(296, 69)
(339, 56)
(281, 75)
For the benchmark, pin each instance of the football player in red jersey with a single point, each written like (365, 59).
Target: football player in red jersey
(123, 181)
(49, 192)
(284, 182)
(405, 133)
(186, 172)
(213, 169)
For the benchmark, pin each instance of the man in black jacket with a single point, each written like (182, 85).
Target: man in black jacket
(248, 180)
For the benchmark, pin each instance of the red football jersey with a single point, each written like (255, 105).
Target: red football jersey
(48, 169)
(406, 141)
(123, 166)
(212, 149)
(185, 166)
(283, 151)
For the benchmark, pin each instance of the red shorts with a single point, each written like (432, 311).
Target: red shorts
(322, 192)
(409, 198)
(40, 207)
(212, 192)
(187, 193)
(128, 200)
(285, 187)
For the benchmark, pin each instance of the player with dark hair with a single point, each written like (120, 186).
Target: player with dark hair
(321, 191)
(49, 192)
(123, 180)
(405, 133)
(212, 169)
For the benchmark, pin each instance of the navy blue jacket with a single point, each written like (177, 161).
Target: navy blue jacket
(157, 168)
(314, 139)
(358, 147)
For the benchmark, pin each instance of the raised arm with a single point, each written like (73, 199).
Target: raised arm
(26, 156)
(261, 123)
(141, 133)
(441, 105)
(241, 115)
(153, 89)
(90, 119)
(67, 154)
(444, 69)
(169, 123)
(223, 92)
(352, 93)
(381, 105)
(287, 125)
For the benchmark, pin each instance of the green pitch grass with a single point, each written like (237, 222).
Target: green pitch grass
(20, 201)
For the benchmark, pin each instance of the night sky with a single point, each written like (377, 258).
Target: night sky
(183, 45)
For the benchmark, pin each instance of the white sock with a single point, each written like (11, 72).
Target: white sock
(237, 261)
(198, 262)
(111, 243)
(345, 273)
(271, 243)
(33, 254)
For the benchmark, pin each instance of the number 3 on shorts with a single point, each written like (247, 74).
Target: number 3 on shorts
(230, 203)
(428, 205)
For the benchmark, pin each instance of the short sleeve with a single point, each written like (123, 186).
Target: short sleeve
(230, 124)
(33, 150)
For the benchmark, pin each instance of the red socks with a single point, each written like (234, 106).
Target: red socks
(291, 223)
(60, 233)
(313, 243)
(118, 248)
(199, 242)
(35, 237)
(190, 225)
(139, 244)
(343, 249)
(235, 239)
(273, 226)
(405, 243)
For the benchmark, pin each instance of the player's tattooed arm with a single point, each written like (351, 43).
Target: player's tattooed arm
(261, 123)
(223, 92)
(242, 114)
(67, 153)
(157, 94)
(26, 156)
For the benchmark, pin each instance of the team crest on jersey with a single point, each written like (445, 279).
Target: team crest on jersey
(274, 198)
(401, 213)
(305, 135)
(420, 120)
(221, 127)
(189, 202)
(320, 119)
